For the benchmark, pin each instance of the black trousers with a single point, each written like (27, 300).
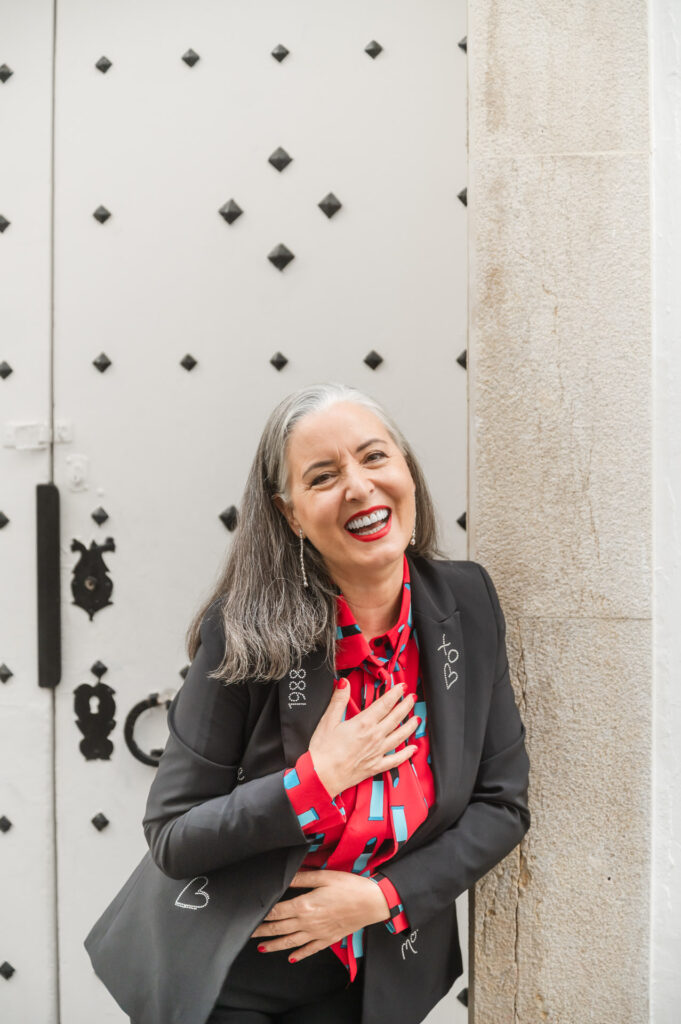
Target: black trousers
(264, 988)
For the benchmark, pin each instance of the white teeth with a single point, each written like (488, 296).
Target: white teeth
(366, 531)
(374, 517)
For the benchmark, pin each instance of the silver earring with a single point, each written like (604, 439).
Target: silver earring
(302, 561)
(413, 535)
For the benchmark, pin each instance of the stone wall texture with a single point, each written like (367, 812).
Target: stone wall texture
(560, 492)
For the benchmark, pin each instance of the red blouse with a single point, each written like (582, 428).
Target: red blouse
(365, 825)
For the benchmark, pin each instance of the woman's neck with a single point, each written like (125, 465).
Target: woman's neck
(374, 601)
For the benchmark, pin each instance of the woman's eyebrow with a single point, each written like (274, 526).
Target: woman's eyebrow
(359, 448)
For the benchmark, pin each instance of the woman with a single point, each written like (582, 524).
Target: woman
(345, 755)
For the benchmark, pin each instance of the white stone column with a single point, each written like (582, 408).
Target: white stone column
(560, 492)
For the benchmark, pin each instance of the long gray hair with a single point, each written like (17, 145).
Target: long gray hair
(270, 618)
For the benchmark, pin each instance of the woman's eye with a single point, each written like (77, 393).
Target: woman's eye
(325, 477)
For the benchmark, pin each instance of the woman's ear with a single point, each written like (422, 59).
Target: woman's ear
(286, 512)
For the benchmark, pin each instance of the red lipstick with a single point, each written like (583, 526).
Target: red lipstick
(379, 533)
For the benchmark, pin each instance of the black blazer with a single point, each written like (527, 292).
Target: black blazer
(218, 820)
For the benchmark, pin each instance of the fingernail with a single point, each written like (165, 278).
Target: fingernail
(262, 949)
(418, 720)
(292, 960)
(342, 683)
(404, 687)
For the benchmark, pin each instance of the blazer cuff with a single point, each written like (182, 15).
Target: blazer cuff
(310, 800)
(398, 918)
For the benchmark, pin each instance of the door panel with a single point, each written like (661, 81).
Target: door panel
(28, 956)
(164, 449)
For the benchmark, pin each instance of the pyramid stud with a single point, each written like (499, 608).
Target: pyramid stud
(278, 361)
(330, 205)
(280, 159)
(190, 58)
(103, 64)
(100, 821)
(5, 673)
(463, 196)
(230, 211)
(5, 369)
(373, 49)
(280, 256)
(373, 359)
(4, 223)
(6, 970)
(102, 362)
(5, 824)
(280, 52)
(3, 520)
(5, 73)
(188, 362)
(230, 517)
(101, 214)
(462, 360)
(100, 515)
(463, 44)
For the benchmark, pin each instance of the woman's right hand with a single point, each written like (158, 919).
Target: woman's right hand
(344, 753)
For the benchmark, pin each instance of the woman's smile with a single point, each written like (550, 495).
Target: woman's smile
(371, 524)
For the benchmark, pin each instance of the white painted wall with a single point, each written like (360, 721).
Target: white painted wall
(665, 52)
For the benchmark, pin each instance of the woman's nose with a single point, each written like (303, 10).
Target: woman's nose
(357, 483)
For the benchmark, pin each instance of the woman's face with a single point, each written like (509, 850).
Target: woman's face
(344, 466)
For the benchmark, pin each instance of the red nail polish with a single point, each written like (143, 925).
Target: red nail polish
(292, 960)
(261, 948)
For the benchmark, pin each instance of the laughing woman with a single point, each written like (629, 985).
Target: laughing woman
(345, 752)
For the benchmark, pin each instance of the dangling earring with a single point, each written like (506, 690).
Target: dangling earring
(302, 562)
(413, 535)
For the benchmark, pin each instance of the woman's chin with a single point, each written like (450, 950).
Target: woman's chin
(376, 553)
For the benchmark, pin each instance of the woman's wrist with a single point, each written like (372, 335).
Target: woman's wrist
(377, 904)
(324, 776)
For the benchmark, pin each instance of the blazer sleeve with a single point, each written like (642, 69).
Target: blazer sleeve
(496, 818)
(197, 817)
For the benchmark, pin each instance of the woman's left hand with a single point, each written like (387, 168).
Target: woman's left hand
(339, 904)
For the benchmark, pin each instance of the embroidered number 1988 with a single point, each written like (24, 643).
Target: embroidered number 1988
(296, 688)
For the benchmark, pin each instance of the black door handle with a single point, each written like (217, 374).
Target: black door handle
(49, 585)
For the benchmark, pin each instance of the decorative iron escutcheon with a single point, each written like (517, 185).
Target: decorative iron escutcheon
(95, 725)
(48, 583)
(91, 586)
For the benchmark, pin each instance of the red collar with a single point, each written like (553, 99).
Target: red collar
(353, 647)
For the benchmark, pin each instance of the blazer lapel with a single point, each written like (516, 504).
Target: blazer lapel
(304, 695)
(442, 667)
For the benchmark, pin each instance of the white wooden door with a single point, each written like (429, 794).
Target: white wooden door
(168, 326)
(28, 936)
